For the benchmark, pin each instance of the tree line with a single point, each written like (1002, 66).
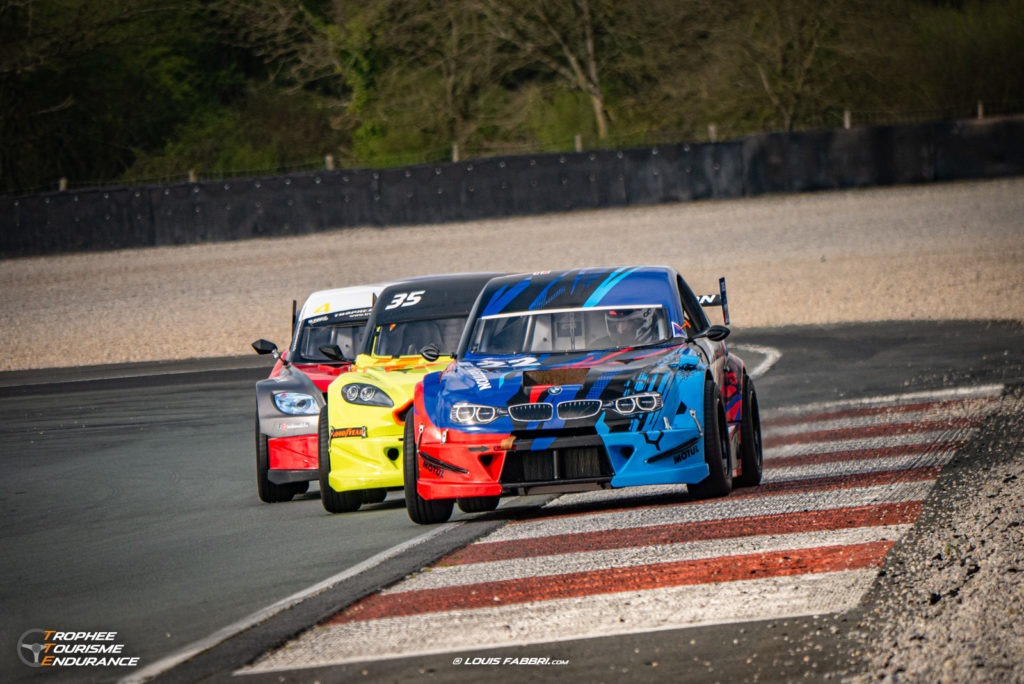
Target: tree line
(95, 91)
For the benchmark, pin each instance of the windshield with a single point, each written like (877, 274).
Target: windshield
(348, 336)
(570, 330)
(409, 337)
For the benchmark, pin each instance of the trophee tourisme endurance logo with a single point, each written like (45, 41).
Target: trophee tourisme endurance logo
(54, 648)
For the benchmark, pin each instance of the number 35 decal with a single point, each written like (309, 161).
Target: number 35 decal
(405, 299)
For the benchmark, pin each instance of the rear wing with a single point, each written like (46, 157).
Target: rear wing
(719, 299)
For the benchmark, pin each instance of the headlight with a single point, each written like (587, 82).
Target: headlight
(475, 414)
(366, 395)
(296, 404)
(638, 403)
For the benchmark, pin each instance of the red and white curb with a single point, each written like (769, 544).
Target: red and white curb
(843, 482)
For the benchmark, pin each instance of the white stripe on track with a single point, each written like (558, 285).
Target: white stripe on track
(831, 446)
(925, 415)
(886, 400)
(873, 465)
(462, 632)
(718, 509)
(546, 621)
(771, 354)
(593, 561)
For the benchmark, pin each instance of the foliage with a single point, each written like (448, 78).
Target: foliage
(98, 91)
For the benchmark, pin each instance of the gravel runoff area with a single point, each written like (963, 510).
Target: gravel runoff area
(949, 603)
(926, 252)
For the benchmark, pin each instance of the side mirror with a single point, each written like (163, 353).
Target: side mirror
(262, 347)
(715, 333)
(333, 352)
(431, 352)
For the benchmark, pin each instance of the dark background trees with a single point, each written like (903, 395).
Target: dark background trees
(97, 92)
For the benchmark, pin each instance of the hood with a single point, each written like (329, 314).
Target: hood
(396, 376)
(322, 375)
(562, 390)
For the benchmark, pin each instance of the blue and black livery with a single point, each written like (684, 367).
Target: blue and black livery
(582, 379)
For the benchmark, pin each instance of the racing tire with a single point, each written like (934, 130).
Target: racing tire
(716, 448)
(478, 504)
(751, 451)
(421, 511)
(374, 496)
(334, 502)
(267, 490)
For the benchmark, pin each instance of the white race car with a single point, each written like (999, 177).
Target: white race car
(326, 334)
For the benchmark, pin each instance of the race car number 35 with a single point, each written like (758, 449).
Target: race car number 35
(405, 299)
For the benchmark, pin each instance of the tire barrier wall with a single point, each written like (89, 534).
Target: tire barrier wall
(235, 209)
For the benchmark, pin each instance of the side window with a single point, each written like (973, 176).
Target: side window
(693, 315)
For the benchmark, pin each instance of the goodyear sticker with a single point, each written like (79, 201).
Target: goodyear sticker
(349, 432)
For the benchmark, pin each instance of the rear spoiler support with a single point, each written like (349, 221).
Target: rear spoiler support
(721, 299)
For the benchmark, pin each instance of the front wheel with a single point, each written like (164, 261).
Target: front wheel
(716, 448)
(334, 502)
(478, 504)
(420, 510)
(751, 453)
(374, 496)
(267, 490)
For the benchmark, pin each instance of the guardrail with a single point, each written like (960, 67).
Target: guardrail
(153, 215)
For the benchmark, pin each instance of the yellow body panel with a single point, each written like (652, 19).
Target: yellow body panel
(366, 441)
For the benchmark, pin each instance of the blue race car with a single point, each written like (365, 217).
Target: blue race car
(582, 379)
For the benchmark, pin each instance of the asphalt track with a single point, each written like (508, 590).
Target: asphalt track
(130, 506)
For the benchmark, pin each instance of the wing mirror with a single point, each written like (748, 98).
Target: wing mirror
(715, 333)
(431, 352)
(262, 347)
(333, 352)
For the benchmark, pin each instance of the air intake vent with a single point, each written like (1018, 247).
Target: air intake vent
(531, 413)
(587, 464)
(555, 376)
(578, 408)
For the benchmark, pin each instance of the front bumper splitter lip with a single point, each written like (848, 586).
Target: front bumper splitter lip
(280, 477)
(556, 486)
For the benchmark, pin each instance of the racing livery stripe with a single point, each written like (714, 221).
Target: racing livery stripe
(611, 580)
(606, 286)
(503, 297)
(783, 523)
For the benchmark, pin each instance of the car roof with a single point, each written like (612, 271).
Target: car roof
(574, 288)
(341, 299)
(426, 297)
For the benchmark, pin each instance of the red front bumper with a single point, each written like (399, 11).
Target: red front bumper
(454, 464)
(294, 453)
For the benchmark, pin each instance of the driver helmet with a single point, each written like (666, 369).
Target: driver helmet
(631, 325)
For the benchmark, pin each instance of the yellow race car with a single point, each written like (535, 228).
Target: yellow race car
(414, 329)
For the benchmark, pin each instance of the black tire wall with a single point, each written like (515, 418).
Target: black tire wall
(235, 209)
